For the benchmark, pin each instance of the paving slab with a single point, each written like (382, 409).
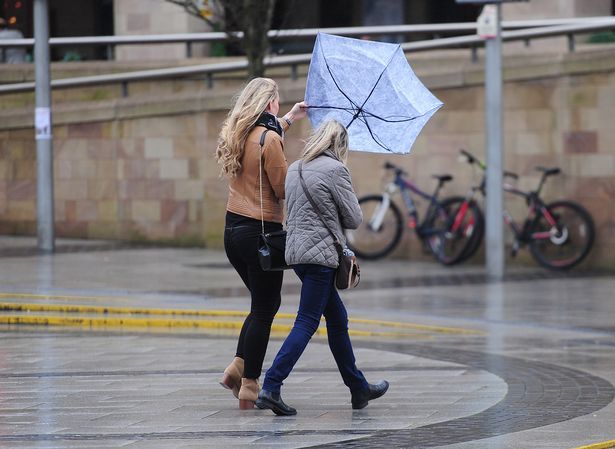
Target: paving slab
(536, 368)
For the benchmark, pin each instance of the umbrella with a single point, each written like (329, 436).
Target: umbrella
(370, 88)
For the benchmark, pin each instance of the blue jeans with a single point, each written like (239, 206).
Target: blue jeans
(318, 297)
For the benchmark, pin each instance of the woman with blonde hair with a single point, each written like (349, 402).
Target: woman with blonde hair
(251, 142)
(311, 251)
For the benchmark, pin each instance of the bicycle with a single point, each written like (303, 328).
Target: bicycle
(559, 234)
(447, 230)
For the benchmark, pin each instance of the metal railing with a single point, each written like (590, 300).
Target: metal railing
(189, 38)
(561, 28)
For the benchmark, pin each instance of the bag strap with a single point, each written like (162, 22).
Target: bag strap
(260, 176)
(336, 242)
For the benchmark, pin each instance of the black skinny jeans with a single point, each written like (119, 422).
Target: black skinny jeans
(241, 243)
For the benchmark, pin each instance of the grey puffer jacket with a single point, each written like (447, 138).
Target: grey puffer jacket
(308, 241)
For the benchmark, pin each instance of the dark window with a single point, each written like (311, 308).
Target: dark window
(91, 18)
(18, 14)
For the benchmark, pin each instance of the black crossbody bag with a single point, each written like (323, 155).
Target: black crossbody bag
(271, 245)
(348, 273)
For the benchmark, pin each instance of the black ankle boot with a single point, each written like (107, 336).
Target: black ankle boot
(274, 402)
(374, 391)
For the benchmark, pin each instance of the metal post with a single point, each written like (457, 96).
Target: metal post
(474, 54)
(42, 121)
(493, 109)
(571, 44)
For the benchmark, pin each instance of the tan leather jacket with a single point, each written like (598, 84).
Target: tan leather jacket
(244, 196)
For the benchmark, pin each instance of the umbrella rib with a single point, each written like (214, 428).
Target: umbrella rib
(405, 119)
(373, 88)
(335, 81)
(374, 137)
(369, 95)
(356, 108)
(358, 111)
(331, 107)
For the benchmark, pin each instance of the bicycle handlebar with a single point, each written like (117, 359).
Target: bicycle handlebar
(389, 166)
(471, 159)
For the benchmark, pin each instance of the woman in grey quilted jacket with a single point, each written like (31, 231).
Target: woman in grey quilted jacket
(311, 252)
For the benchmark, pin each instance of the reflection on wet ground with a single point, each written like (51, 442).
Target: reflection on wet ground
(539, 373)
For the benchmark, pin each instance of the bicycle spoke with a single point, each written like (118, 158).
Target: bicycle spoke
(380, 231)
(456, 234)
(563, 236)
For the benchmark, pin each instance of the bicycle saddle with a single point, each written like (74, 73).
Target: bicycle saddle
(443, 178)
(548, 171)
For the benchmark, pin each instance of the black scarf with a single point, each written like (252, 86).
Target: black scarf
(269, 121)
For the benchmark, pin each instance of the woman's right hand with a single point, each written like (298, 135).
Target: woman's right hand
(298, 111)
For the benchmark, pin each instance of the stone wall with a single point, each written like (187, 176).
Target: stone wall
(143, 168)
(550, 9)
(141, 178)
(154, 17)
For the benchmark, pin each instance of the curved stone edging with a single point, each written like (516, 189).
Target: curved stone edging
(538, 394)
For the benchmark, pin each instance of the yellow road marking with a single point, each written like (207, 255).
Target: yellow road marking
(423, 327)
(219, 313)
(121, 310)
(102, 322)
(604, 445)
(36, 296)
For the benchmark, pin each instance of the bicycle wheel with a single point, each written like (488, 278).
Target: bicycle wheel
(373, 240)
(566, 241)
(478, 233)
(455, 231)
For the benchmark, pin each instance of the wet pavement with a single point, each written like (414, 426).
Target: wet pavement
(137, 337)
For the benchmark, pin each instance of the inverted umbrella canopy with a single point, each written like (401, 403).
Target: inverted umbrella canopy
(370, 88)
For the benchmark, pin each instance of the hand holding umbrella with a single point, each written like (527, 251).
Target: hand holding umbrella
(298, 111)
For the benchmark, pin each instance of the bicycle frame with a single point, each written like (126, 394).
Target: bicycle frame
(383, 226)
(536, 208)
(559, 234)
(400, 184)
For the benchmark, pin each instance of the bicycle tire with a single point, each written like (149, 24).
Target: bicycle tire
(479, 235)
(450, 247)
(372, 244)
(576, 220)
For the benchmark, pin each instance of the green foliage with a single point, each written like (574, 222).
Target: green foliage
(217, 48)
(70, 56)
(605, 37)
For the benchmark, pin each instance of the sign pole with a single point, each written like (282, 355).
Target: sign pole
(42, 123)
(493, 107)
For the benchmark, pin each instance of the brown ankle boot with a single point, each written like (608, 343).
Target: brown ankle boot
(248, 394)
(232, 376)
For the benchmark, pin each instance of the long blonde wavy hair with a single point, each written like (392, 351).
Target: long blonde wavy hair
(248, 106)
(330, 135)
